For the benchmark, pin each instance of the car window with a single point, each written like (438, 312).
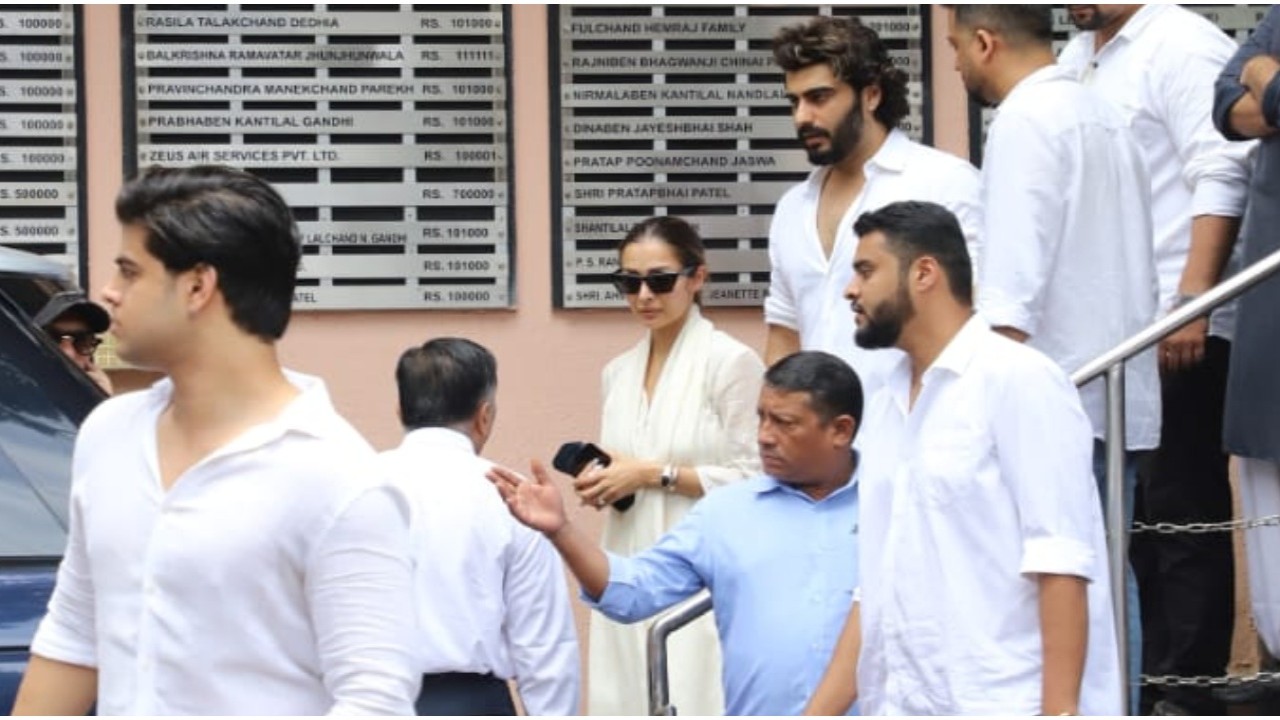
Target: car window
(30, 293)
(42, 403)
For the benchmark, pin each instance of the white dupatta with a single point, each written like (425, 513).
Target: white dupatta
(680, 425)
(677, 425)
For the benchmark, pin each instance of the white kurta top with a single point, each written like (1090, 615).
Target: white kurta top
(702, 415)
(966, 496)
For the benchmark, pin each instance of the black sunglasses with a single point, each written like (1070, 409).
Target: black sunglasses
(85, 343)
(628, 283)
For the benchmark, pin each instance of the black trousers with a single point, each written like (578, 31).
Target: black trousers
(1186, 582)
(464, 694)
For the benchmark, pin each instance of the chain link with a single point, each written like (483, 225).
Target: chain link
(1205, 681)
(1200, 528)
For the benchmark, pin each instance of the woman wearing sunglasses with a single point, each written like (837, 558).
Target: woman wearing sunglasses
(679, 419)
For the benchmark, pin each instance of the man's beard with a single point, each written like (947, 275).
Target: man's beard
(1093, 20)
(884, 325)
(975, 96)
(847, 134)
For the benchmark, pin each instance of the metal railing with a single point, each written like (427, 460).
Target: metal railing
(669, 622)
(1111, 364)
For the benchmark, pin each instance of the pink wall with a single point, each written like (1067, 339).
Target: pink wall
(549, 360)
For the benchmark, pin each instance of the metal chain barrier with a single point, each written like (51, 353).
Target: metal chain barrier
(1205, 681)
(1200, 528)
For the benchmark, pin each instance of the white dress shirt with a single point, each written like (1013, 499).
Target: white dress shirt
(491, 593)
(272, 578)
(1067, 234)
(806, 288)
(966, 497)
(1158, 72)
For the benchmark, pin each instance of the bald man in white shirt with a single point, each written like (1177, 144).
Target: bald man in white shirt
(847, 100)
(230, 551)
(492, 602)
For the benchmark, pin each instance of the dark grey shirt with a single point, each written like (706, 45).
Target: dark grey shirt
(1252, 423)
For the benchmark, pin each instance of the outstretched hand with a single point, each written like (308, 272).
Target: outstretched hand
(535, 503)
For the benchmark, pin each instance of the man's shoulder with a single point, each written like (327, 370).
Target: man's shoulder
(734, 496)
(1008, 362)
(1077, 52)
(930, 163)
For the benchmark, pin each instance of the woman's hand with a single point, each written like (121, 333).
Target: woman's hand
(599, 486)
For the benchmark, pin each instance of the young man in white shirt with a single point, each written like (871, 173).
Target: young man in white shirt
(1156, 64)
(492, 601)
(229, 550)
(847, 99)
(983, 584)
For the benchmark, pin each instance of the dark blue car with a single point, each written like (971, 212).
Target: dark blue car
(43, 399)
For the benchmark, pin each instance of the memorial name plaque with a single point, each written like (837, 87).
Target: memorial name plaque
(675, 110)
(41, 156)
(385, 127)
(1235, 20)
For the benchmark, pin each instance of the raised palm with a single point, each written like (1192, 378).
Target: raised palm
(535, 503)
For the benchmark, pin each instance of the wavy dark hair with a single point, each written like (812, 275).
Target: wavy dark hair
(856, 55)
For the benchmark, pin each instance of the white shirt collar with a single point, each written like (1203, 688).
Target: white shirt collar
(1048, 73)
(891, 157)
(954, 358)
(310, 413)
(1138, 22)
(438, 438)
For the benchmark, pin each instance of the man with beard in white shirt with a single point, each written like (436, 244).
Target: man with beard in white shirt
(847, 99)
(492, 601)
(1156, 64)
(983, 583)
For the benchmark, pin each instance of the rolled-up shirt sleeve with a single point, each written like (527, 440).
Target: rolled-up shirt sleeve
(1228, 90)
(1046, 446)
(1216, 169)
(655, 579)
(359, 589)
(68, 631)
(780, 304)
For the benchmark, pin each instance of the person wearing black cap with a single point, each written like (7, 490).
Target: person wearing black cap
(75, 322)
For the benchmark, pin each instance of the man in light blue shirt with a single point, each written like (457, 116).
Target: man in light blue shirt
(778, 552)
